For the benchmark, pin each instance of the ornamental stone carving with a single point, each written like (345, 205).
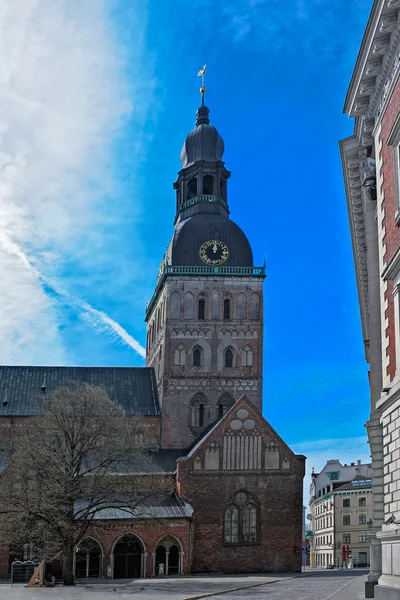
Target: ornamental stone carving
(380, 46)
(388, 23)
(373, 68)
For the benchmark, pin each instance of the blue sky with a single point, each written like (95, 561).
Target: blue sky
(103, 97)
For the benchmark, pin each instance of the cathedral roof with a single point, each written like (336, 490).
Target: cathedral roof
(203, 142)
(134, 388)
(190, 234)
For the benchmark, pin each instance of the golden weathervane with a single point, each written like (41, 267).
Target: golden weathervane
(201, 74)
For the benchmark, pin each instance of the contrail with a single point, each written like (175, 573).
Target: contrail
(13, 249)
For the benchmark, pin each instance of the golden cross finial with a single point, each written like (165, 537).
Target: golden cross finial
(201, 74)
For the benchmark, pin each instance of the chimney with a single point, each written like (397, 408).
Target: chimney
(345, 465)
(359, 462)
(352, 464)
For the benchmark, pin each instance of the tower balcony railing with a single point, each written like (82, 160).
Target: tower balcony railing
(203, 198)
(209, 270)
(200, 270)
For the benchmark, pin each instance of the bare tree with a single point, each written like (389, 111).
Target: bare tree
(80, 458)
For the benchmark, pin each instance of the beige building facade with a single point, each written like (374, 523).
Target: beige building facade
(341, 513)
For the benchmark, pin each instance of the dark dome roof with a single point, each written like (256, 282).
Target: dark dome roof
(203, 142)
(193, 232)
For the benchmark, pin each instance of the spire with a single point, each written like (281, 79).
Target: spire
(202, 114)
(203, 88)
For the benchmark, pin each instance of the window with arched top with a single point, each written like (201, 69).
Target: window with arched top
(197, 356)
(241, 306)
(201, 309)
(201, 415)
(199, 404)
(228, 358)
(175, 305)
(224, 403)
(192, 188)
(208, 184)
(247, 357)
(254, 306)
(227, 309)
(188, 302)
(241, 519)
(180, 355)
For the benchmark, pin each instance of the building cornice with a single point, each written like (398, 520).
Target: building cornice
(349, 149)
(377, 62)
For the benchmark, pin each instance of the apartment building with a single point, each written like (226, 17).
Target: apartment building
(341, 511)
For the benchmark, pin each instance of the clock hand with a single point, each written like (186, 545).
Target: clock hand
(215, 247)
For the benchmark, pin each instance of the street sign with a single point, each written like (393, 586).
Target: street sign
(304, 549)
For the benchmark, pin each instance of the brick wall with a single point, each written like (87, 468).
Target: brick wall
(391, 239)
(278, 492)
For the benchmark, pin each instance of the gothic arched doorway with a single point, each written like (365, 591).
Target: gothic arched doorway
(128, 554)
(169, 552)
(88, 559)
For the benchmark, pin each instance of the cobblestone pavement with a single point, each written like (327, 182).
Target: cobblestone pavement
(313, 585)
(323, 585)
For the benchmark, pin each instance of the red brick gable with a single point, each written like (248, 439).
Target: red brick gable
(251, 433)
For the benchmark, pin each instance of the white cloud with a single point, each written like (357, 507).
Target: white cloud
(63, 100)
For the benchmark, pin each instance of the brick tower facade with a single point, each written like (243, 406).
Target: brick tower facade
(204, 322)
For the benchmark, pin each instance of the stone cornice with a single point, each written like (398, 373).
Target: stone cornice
(376, 63)
(349, 149)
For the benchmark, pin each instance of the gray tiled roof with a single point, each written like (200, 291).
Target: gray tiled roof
(132, 387)
(167, 508)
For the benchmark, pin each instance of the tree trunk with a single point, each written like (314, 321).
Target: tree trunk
(68, 564)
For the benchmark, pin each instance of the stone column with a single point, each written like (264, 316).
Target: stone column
(154, 563)
(167, 562)
(144, 564)
(375, 436)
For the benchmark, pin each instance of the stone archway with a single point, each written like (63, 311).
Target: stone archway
(128, 557)
(88, 559)
(169, 552)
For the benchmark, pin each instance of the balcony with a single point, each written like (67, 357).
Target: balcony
(203, 198)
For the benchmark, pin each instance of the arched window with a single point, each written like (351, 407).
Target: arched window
(228, 358)
(202, 309)
(192, 188)
(247, 357)
(208, 184)
(227, 309)
(254, 306)
(241, 306)
(175, 305)
(199, 404)
(224, 403)
(188, 306)
(241, 520)
(197, 357)
(250, 524)
(201, 415)
(231, 525)
(180, 355)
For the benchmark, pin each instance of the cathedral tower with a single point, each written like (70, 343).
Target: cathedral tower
(204, 321)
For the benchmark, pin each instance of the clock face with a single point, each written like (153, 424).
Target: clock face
(214, 252)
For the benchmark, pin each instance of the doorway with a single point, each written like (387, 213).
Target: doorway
(128, 558)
